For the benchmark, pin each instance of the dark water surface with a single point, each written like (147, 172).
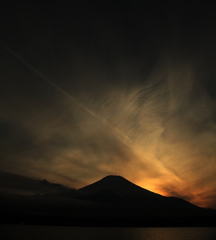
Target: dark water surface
(15, 232)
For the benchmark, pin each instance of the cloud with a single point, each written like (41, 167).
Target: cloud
(153, 127)
(20, 185)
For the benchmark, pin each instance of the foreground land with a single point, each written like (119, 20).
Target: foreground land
(112, 201)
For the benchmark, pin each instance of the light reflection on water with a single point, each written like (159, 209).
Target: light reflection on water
(22, 232)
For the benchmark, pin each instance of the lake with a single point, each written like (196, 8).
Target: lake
(26, 232)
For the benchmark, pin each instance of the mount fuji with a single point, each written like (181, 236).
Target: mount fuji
(111, 201)
(118, 190)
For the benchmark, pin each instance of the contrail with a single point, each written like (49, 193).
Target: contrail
(122, 136)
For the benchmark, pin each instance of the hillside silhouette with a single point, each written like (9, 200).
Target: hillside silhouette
(117, 187)
(111, 201)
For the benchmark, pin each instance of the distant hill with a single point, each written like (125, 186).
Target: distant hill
(121, 186)
(116, 189)
(111, 201)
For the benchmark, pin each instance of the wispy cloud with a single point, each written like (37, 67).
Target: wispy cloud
(157, 129)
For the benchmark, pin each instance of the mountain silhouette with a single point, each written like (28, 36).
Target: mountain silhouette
(116, 188)
(111, 201)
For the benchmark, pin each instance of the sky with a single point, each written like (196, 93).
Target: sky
(89, 90)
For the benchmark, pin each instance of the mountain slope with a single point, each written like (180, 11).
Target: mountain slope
(119, 188)
(111, 201)
(116, 189)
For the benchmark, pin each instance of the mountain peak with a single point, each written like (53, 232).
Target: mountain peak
(109, 182)
(114, 178)
(120, 186)
(117, 189)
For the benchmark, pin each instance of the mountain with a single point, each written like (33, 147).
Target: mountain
(111, 188)
(118, 190)
(111, 201)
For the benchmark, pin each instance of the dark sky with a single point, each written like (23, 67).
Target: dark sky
(124, 88)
